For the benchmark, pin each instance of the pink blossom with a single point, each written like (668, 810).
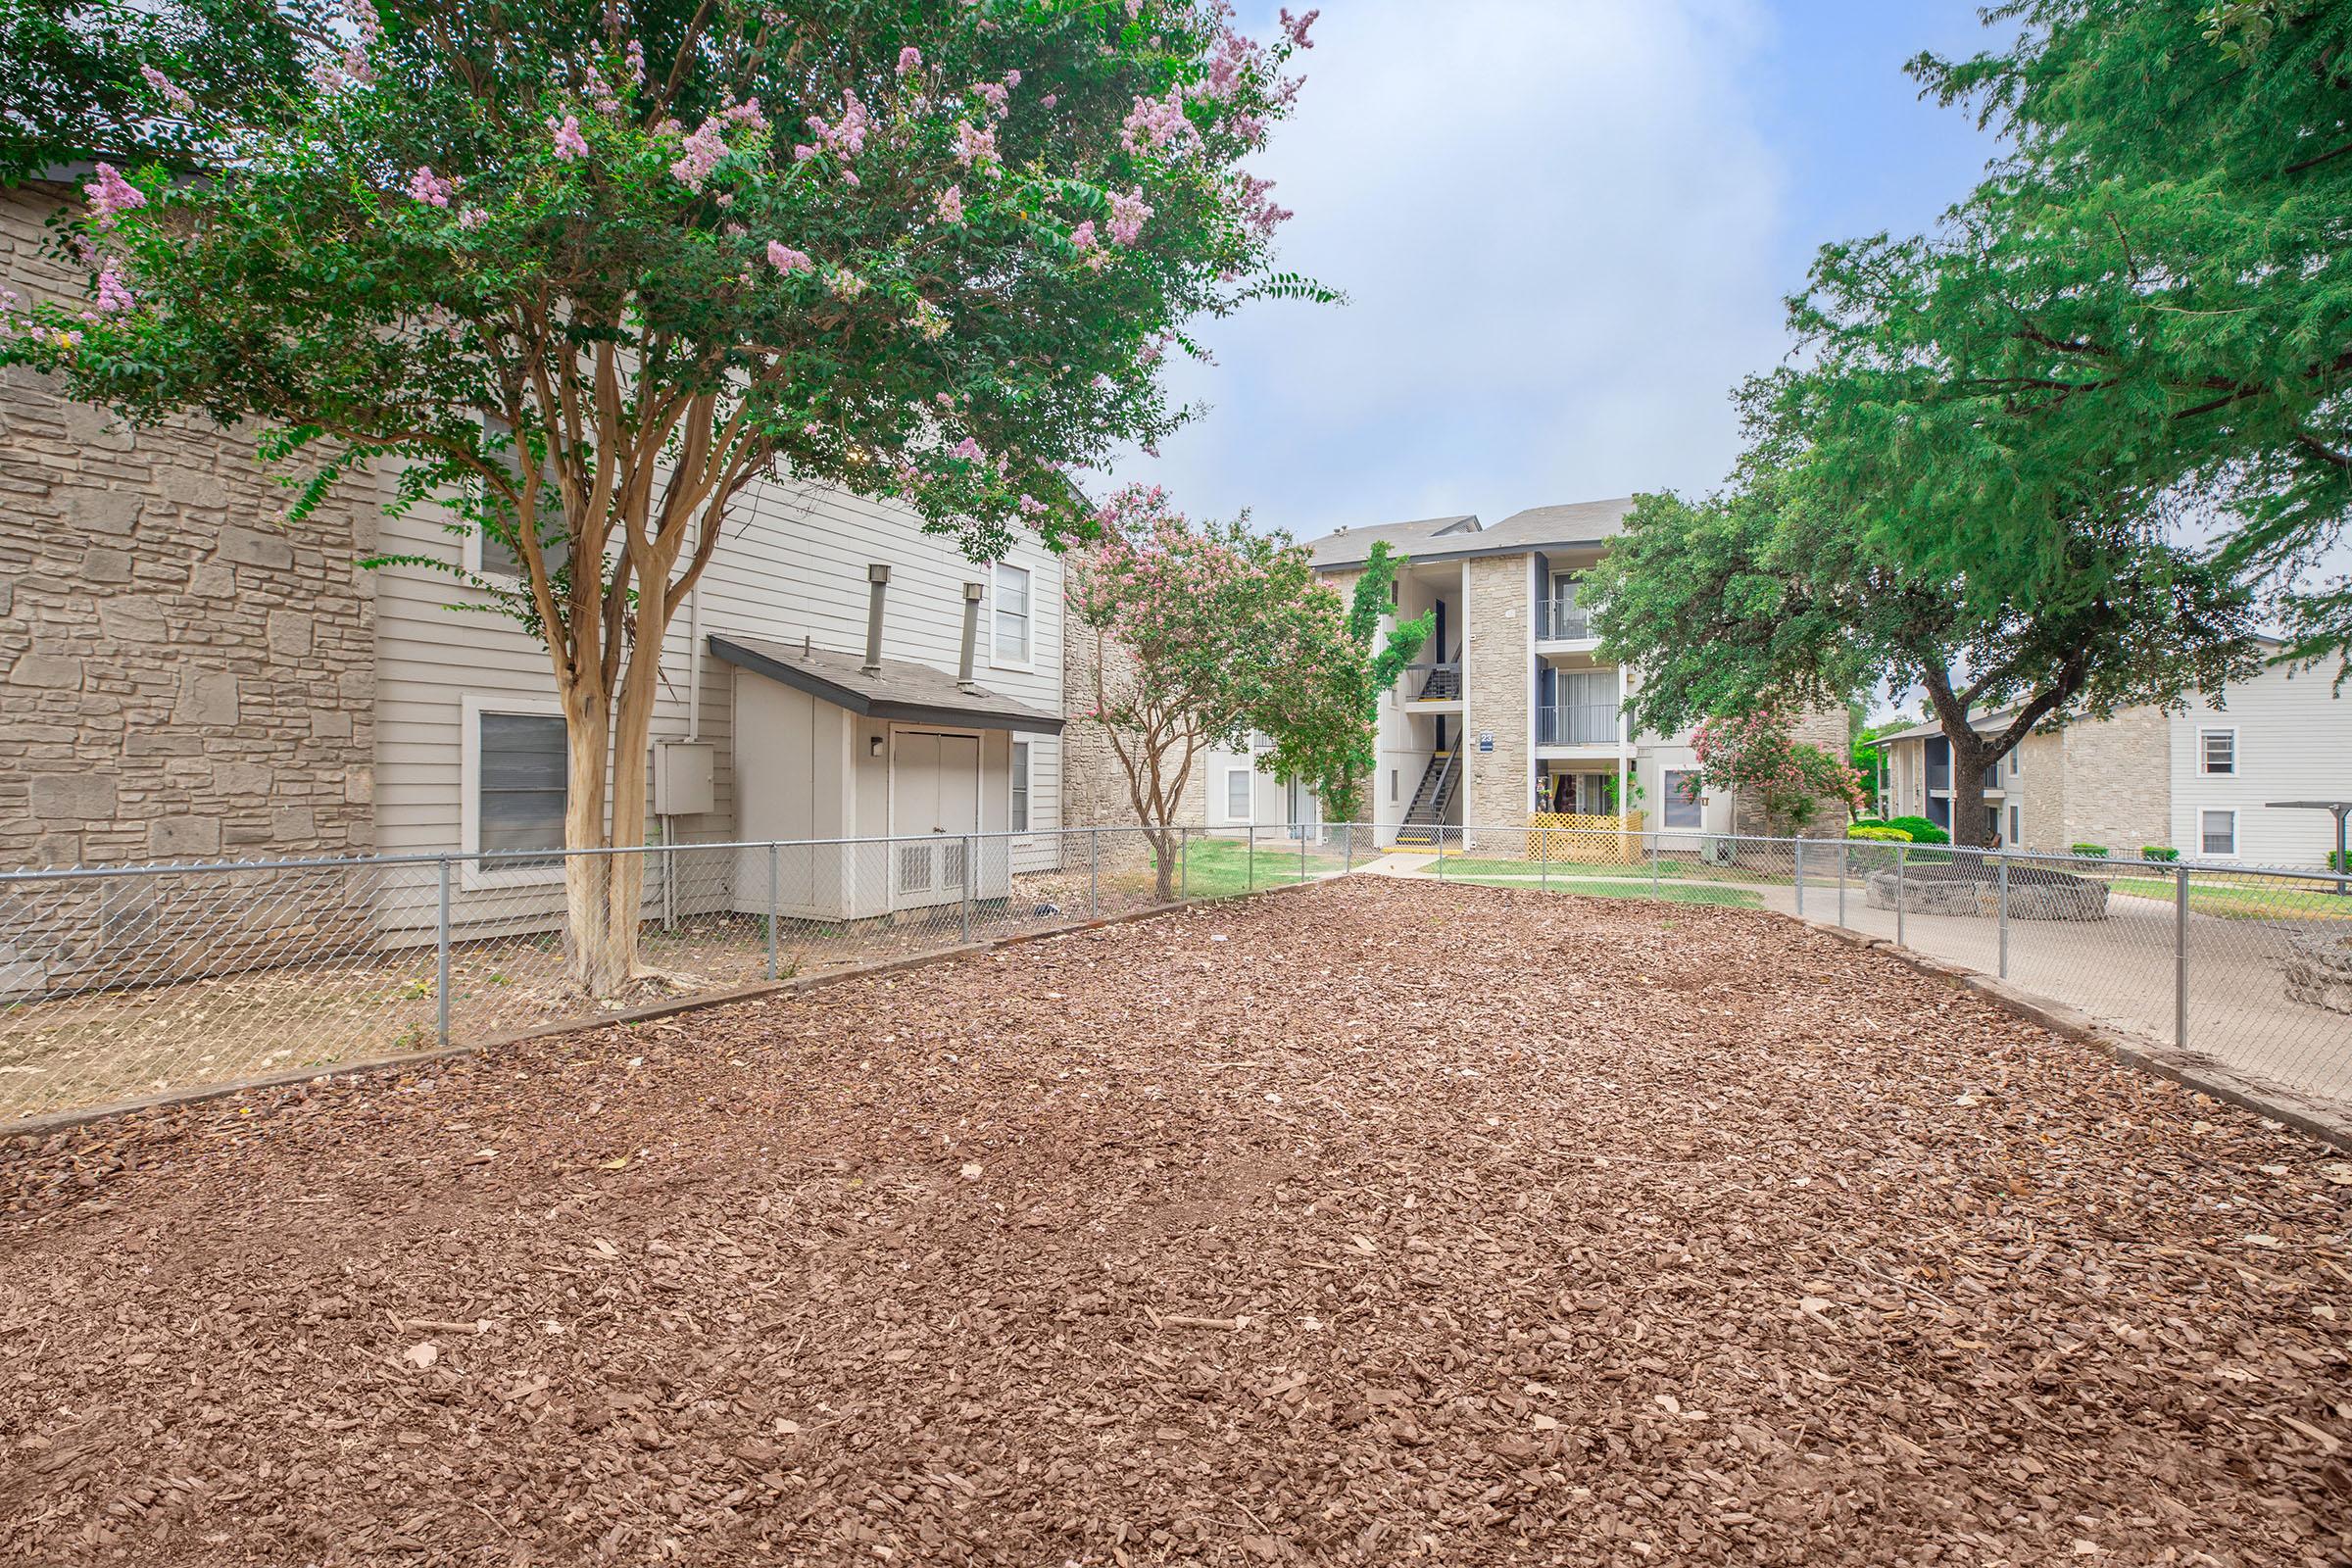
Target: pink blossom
(910, 61)
(1296, 26)
(1052, 98)
(968, 450)
(1000, 101)
(802, 152)
(1258, 213)
(114, 295)
(846, 135)
(430, 188)
(634, 58)
(784, 259)
(1128, 211)
(1083, 236)
(951, 205)
(974, 144)
(472, 218)
(1158, 123)
(570, 143)
(702, 152)
(170, 92)
(109, 193)
(747, 112)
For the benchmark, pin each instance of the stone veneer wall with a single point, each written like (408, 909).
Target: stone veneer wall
(1497, 672)
(1093, 786)
(183, 676)
(2119, 781)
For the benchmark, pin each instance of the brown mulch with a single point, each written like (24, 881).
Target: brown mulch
(1373, 1222)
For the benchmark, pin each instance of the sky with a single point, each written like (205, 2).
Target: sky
(1566, 228)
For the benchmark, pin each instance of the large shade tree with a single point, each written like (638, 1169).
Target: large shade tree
(2154, 284)
(578, 271)
(1781, 589)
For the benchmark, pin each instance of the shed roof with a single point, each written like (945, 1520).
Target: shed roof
(902, 690)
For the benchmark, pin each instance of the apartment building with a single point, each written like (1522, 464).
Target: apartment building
(1511, 711)
(185, 675)
(2227, 777)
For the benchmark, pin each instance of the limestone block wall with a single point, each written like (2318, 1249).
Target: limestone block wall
(1497, 677)
(2118, 780)
(182, 674)
(1093, 784)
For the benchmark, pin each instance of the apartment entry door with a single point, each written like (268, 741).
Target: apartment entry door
(934, 804)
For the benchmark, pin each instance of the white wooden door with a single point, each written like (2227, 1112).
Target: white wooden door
(935, 803)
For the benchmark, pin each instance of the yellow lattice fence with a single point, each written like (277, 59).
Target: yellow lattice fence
(1575, 836)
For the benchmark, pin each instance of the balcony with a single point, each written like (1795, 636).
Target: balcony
(1562, 620)
(1577, 725)
(1430, 683)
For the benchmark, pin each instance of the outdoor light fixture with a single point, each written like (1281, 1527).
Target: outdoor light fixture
(873, 746)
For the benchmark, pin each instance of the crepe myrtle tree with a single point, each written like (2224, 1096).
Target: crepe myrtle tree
(1202, 631)
(1326, 729)
(578, 271)
(1754, 754)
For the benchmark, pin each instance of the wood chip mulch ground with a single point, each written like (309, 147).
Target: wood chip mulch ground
(1372, 1222)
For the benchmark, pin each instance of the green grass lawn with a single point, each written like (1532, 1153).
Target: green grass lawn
(1472, 866)
(1217, 869)
(1669, 892)
(2249, 902)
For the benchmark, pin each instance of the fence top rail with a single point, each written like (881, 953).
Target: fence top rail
(1658, 837)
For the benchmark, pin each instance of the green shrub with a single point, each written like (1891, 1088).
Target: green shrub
(2158, 851)
(2089, 851)
(1921, 830)
(1878, 833)
(2339, 862)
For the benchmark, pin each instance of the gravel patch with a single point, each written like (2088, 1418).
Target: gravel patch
(1376, 1221)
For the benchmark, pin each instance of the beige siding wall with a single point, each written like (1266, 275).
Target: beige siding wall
(183, 675)
(2293, 743)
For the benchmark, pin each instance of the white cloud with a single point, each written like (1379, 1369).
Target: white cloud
(1556, 219)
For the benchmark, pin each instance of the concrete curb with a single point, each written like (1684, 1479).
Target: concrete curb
(55, 1122)
(2328, 1123)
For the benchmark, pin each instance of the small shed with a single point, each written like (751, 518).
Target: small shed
(832, 747)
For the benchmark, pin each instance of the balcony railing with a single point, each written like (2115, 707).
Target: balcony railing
(1562, 620)
(1577, 725)
(1940, 776)
(1430, 683)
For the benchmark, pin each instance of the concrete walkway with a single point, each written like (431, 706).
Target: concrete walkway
(2120, 971)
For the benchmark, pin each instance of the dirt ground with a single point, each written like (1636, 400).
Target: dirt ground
(1370, 1222)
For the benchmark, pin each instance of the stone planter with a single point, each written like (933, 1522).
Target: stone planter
(2319, 969)
(2035, 893)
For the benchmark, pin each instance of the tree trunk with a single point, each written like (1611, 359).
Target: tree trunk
(1166, 845)
(590, 958)
(1970, 824)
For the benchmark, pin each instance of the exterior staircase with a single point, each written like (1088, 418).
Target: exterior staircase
(1443, 684)
(1425, 817)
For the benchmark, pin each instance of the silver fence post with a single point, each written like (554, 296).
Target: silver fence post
(441, 958)
(2004, 870)
(1303, 852)
(1249, 861)
(1544, 859)
(776, 854)
(1653, 865)
(1440, 851)
(1900, 895)
(1800, 877)
(1184, 862)
(970, 863)
(2181, 958)
(1093, 874)
(1347, 842)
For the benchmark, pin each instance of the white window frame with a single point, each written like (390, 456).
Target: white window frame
(1021, 776)
(472, 874)
(1249, 815)
(2204, 853)
(2205, 769)
(1029, 616)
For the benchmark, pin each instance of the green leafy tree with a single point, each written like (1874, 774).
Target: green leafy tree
(578, 271)
(2154, 287)
(1325, 730)
(1196, 633)
(1781, 590)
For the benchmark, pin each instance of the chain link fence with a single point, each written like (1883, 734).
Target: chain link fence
(2248, 965)
(120, 983)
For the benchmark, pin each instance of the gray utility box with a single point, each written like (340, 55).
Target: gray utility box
(685, 778)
